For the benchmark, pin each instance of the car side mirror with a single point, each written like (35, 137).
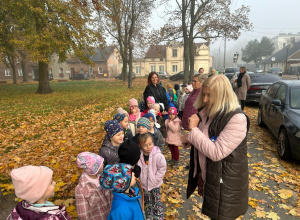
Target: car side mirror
(276, 102)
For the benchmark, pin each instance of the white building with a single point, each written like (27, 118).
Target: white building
(284, 39)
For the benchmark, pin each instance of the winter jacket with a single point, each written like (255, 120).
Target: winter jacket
(182, 101)
(132, 127)
(189, 109)
(92, 203)
(152, 174)
(173, 131)
(159, 94)
(161, 122)
(160, 140)
(242, 91)
(125, 207)
(225, 170)
(155, 138)
(109, 152)
(25, 210)
(127, 134)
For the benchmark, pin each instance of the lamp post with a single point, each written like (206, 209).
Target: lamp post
(235, 59)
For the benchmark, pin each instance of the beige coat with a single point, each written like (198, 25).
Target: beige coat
(242, 91)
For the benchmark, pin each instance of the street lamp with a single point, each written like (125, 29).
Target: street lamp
(235, 59)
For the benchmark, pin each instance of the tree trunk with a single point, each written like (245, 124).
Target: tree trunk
(130, 68)
(23, 66)
(191, 40)
(14, 73)
(185, 44)
(44, 86)
(124, 70)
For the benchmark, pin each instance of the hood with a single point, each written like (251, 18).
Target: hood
(122, 196)
(155, 150)
(177, 120)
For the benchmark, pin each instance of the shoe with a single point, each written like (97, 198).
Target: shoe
(171, 161)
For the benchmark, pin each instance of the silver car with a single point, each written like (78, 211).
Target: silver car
(163, 75)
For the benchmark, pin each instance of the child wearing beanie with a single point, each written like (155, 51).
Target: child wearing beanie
(114, 137)
(92, 202)
(126, 205)
(143, 126)
(131, 126)
(154, 130)
(134, 111)
(160, 120)
(150, 101)
(123, 120)
(153, 168)
(173, 126)
(34, 185)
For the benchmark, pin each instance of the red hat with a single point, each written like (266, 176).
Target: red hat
(172, 111)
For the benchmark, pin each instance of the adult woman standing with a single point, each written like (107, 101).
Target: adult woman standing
(156, 90)
(243, 84)
(189, 109)
(218, 135)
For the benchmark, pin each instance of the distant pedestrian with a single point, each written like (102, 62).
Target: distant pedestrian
(243, 84)
(212, 73)
(201, 71)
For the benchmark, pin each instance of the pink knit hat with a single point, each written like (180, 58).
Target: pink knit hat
(132, 102)
(31, 182)
(151, 99)
(190, 88)
(89, 162)
(172, 111)
(122, 111)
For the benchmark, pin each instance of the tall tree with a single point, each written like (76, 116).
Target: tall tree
(125, 21)
(205, 19)
(255, 50)
(61, 26)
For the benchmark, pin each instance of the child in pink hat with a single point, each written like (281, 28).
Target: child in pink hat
(134, 111)
(92, 202)
(150, 101)
(34, 185)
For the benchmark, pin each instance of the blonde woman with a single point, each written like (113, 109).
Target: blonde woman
(243, 84)
(218, 160)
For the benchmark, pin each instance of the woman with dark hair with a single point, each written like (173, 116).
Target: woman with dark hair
(243, 84)
(157, 91)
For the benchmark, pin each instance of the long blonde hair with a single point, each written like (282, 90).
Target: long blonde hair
(222, 98)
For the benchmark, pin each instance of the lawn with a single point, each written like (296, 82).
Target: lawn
(52, 129)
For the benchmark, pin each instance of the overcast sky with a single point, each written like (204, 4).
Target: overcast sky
(269, 18)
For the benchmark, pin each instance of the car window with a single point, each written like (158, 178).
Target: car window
(262, 78)
(273, 89)
(281, 94)
(295, 98)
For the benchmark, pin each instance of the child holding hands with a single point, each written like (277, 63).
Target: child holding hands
(173, 127)
(92, 202)
(153, 168)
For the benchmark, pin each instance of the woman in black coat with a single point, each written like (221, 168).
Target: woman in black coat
(157, 91)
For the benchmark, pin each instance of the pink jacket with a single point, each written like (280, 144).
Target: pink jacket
(231, 136)
(173, 129)
(92, 203)
(152, 174)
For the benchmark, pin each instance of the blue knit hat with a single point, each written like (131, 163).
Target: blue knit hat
(144, 122)
(116, 177)
(119, 117)
(112, 127)
(149, 116)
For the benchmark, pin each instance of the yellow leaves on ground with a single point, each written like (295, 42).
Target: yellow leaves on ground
(58, 185)
(285, 193)
(273, 216)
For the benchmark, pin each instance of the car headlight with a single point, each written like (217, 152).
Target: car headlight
(298, 134)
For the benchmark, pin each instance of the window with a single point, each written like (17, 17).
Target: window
(91, 70)
(272, 90)
(138, 70)
(100, 70)
(153, 68)
(7, 72)
(281, 94)
(174, 52)
(61, 70)
(20, 72)
(174, 68)
(161, 68)
(50, 71)
(81, 70)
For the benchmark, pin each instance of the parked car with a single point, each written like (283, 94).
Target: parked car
(259, 83)
(258, 70)
(80, 76)
(279, 110)
(163, 75)
(179, 76)
(37, 77)
(230, 71)
(119, 76)
(275, 70)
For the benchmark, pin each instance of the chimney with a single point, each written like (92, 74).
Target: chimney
(292, 42)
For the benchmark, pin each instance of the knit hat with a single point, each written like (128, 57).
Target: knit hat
(129, 152)
(190, 88)
(149, 116)
(122, 111)
(171, 94)
(112, 127)
(116, 177)
(172, 111)
(176, 86)
(151, 99)
(31, 182)
(133, 102)
(119, 117)
(170, 90)
(144, 122)
(89, 162)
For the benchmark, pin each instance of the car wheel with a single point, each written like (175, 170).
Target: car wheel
(260, 121)
(283, 147)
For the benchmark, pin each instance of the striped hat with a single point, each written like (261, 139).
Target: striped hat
(144, 122)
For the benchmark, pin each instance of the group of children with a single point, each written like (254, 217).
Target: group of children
(121, 182)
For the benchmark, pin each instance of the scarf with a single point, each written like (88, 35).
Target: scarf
(239, 79)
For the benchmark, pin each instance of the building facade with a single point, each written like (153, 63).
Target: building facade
(284, 39)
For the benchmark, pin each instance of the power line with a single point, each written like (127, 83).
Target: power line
(275, 28)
